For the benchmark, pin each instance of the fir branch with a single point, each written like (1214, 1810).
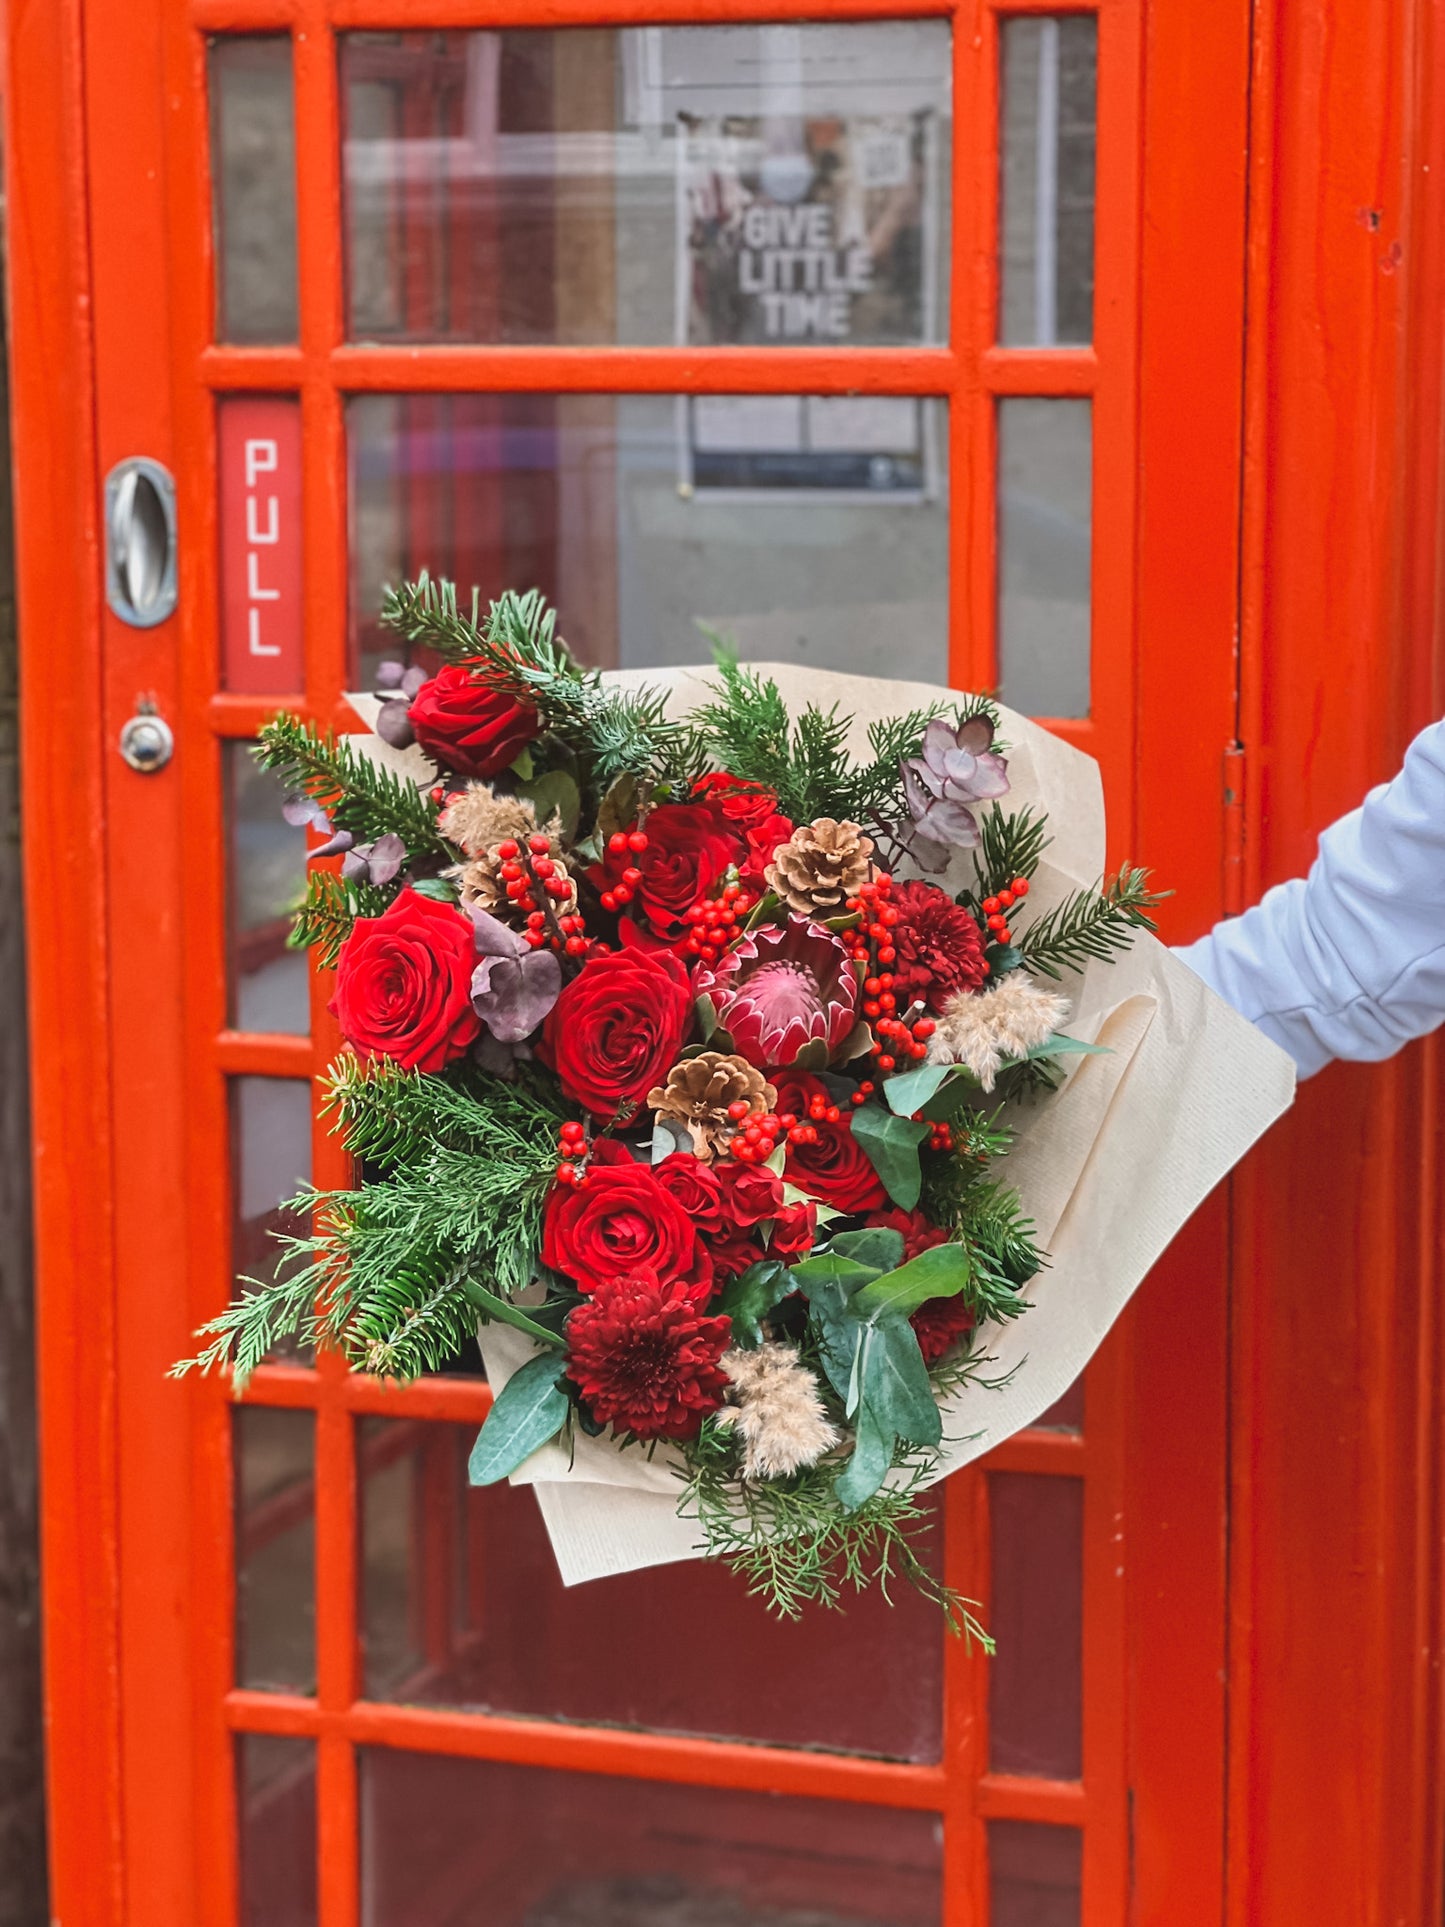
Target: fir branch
(517, 652)
(1090, 923)
(332, 905)
(359, 795)
(1010, 845)
(795, 1545)
(391, 1116)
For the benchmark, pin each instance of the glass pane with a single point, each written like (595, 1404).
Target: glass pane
(807, 531)
(463, 1840)
(253, 167)
(1048, 123)
(1036, 1681)
(266, 866)
(1035, 1875)
(275, 1549)
(278, 1830)
(780, 184)
(1066, 1414)
(271, 1161)
(462, 1606)
(1045, 457)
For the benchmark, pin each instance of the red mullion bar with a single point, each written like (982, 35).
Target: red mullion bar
(269, 371)
(244, 16)
(1051, 1803)
(1052, 7)
(1053, 1454)
(638, 371)
(324, 538)
(965, 1709)
(972, 531)
(601, 13)
(242, 718)
(243, 1053)
(1040, 371)
(1106, 1668)
(434, 1401)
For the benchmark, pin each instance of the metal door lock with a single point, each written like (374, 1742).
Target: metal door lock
(146, 741)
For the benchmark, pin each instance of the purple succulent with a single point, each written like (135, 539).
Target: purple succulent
(514, 986)
(956, 769)
(782, 988)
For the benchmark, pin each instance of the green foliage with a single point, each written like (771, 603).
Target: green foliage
(516, 650)
(530, 1409)
(750, 1296)
(795, 1544)
(1090, 923)
(805, 763)
(891, 1144)
(390, 1270)
(986, 1218)
(359, 795)
(332, 905)
(1010, 845)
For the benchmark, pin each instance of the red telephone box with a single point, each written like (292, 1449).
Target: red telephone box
(1091, 351)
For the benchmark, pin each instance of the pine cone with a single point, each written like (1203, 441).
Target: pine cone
(699, 1090)
(820, 866)
(483, 883)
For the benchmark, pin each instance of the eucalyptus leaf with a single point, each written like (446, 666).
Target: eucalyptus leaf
(868, 1467)
(891, 1144)
(668, 1136)
(492, 1306)
(840, 1340)
(748, 1298)
(940, 1272)
(896, 1390)
(530, 1409)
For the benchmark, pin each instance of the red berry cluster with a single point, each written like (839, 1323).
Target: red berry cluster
(995, 909)
(529, 872)
(624, 843)
(717, 922)
(572, 1151)
(940, 1133)
(873, 950)
(757, 1133)
(877, 919)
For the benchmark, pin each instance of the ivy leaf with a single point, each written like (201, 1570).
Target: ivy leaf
(881, 1247)
(748, 1298)
(832, 1268)
(1002, 958)
(911, 1090)
(868, 1467)
(891, 1144)
(530, 1409)
(492, 1306)
(556, 792)
(940, 1272)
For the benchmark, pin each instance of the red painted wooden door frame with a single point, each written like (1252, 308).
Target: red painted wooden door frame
(1330, 1439)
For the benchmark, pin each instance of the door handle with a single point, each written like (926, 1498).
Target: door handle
(140, 541)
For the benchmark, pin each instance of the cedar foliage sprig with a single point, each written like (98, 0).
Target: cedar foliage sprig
(1090, 923)
(359, 795)
(805, 762)
(383, 1273)
(516, 651)
(795, 1545)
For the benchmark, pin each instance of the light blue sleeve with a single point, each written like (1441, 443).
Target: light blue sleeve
(1350, 960)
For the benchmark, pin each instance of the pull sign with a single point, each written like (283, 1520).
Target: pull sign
(260, 461)
(140, 541)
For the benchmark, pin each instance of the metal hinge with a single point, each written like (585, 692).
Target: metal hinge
(1233, 880)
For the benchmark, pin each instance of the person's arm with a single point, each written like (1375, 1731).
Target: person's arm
(1350, 960)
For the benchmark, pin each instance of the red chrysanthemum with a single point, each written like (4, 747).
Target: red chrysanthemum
(918, 1233)
(938, 1323)
(645, 1360)
(940, 948)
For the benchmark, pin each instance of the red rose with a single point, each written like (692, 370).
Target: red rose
(794, 1229)
(404, 984)
(836, 1168)
(763, 840)
(689, 850)
(618, 1221)
(734, 1253)
(695, 1186)
(616, 1029)
(466, 727)
(747, 804)
(750, 1193)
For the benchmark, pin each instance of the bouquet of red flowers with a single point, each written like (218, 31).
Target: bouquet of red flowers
(672, 1063)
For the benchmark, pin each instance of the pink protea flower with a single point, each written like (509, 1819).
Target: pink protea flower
(781, 988)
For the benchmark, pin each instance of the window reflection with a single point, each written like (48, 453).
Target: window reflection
(266, 880)
(1046, 236)
(275, 1549)
(747, 183)
(253, 167)
(1045, 513)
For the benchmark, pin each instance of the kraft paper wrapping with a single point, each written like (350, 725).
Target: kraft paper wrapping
(1109, 1167)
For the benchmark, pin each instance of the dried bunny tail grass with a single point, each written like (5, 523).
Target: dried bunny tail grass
(982, 1029)
(776, 1410)
(478, 818)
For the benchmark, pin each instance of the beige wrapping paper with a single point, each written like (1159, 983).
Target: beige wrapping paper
(1109, 1167)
